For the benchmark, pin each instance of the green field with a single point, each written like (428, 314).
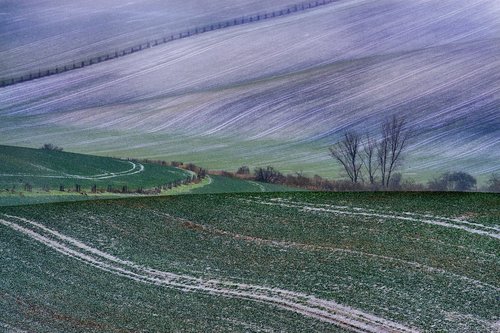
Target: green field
(44, 169)
(221, 184)
(294, 262)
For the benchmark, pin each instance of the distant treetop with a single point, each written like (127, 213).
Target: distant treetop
(50, 146)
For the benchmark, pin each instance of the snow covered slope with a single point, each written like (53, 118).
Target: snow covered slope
(41, 34)
(280, 91)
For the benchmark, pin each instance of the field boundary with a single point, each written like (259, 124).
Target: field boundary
(248, 19)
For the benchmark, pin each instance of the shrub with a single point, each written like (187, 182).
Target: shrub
(243, 170)
(268, 175)
(50, 146)
(453, 181)
(494, 183)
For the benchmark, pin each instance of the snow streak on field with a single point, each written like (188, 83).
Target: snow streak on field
(276, 261)
(329, 311)
(280, 91)
(464, 225)
(81, 29)
(136, 168)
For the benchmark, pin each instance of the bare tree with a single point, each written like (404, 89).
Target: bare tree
(394, 140)
(370, 159)
(347, 153)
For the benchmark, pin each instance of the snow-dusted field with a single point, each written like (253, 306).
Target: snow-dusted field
(306, 305)
(294, 262)
(38, 34)
(274, 92)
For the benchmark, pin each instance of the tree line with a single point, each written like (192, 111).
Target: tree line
(447, 181)
(370, 163)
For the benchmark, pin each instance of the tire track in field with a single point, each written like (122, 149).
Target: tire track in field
(307, 305)
(136, 168)
(261, 187)
(469, 227)
(455, 220)
(304, 246)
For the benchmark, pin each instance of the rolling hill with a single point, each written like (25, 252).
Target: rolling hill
(331, 262)
(79, 30)
(93, 243)
(31, 176)
(41, 168)
(281, 91)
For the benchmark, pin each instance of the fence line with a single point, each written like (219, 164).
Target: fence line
(159, 41)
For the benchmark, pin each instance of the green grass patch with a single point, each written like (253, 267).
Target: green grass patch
(433, 277)
(49, 170)
(221, 184)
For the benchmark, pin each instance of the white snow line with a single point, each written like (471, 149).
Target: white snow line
(285, 244)
(348, 208)
(460, 221)
(129, 172)
(385, 216)
(191, 173)
(260, 186)
(328, 311)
